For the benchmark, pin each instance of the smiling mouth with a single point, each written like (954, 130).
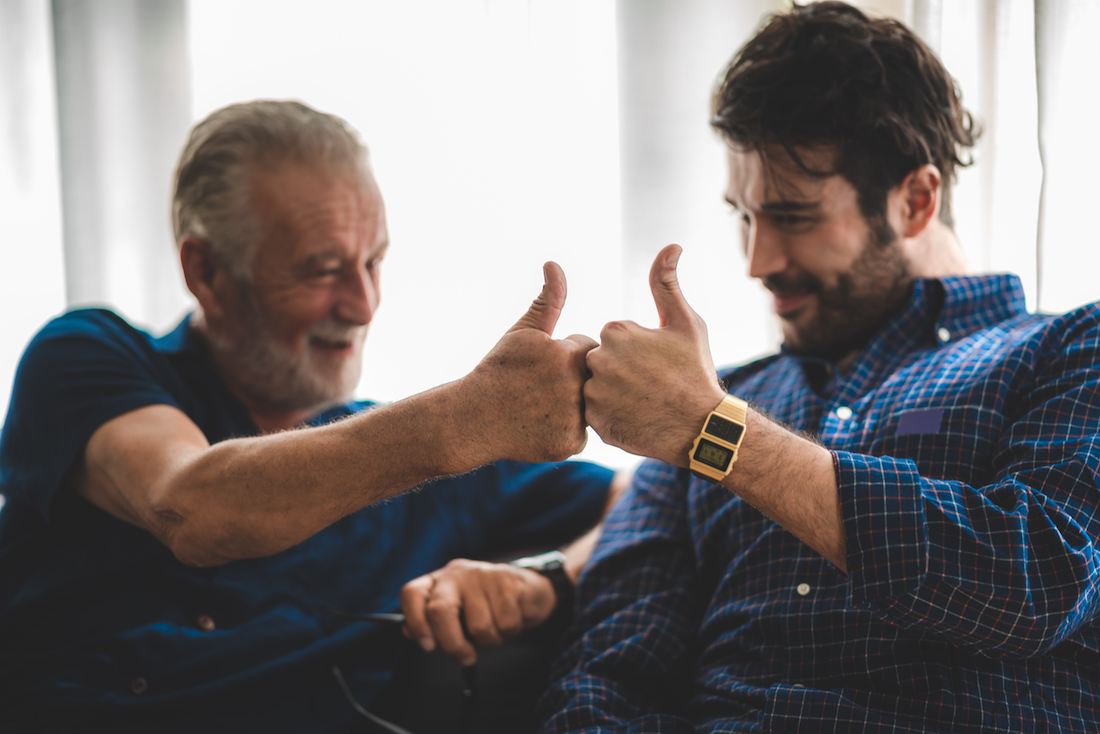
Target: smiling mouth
(336, 345)
(788, 303)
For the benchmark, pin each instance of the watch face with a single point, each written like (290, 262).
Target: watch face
(724, 429)
(713, 455)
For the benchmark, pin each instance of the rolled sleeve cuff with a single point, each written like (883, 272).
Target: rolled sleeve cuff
(880, 499)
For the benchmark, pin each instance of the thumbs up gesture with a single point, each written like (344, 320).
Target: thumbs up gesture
(651, 389)
(525, 397)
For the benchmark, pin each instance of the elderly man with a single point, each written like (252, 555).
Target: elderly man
(173, 557)
(901, 530)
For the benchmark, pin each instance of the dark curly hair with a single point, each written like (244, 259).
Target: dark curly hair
(827, 75)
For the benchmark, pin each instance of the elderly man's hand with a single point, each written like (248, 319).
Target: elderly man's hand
(496, 600)
(525, 398)
(651, 389)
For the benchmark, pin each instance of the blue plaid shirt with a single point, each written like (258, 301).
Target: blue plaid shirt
(966, 449)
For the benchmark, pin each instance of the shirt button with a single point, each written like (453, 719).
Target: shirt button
(205, 623)
(139, 686)
(943, 334)
(803, 589)
(843, 412)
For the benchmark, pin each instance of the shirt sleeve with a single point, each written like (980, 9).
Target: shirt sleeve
(1009, 568)
(627, 663)
(80, 371)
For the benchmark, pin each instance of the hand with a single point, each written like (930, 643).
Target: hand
(498, 602)
(526, 395)
(651, 389)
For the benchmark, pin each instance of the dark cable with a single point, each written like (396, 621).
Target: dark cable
(394, 728)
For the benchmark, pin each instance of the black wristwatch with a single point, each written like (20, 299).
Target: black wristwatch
(552, 566)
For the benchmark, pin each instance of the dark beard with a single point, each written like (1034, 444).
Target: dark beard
(873, 290)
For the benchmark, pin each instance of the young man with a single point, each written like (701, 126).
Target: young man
(174, 558)
(899, 532)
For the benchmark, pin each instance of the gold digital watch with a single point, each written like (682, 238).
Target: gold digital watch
(715, 448)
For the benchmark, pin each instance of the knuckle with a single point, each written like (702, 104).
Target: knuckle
(614, 327)
(459, 566)
(438, 609)
(510, 623)
(479, 629)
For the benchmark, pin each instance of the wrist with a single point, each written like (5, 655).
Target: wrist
(456, 422)
(696, 413)
(552, 567)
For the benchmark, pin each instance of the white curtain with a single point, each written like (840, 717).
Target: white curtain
(32, 281)
(93, 103)
(123, 111)
(1028, 70)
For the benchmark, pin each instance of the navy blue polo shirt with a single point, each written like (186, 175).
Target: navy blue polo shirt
(101, 627)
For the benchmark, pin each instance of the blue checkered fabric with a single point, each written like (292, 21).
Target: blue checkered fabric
(966, 448)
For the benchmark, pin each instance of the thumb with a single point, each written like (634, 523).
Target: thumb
(672, 307)
(545, 310)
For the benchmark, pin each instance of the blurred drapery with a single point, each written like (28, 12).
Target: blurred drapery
(124, 107)
(97, 95)
(1028, 70)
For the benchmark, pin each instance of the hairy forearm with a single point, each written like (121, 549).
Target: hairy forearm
(791, 479)
(256, 496)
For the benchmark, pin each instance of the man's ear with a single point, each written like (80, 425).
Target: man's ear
(202, 274)
(919, 196)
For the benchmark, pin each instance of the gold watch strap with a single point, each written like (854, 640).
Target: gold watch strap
(735, 409)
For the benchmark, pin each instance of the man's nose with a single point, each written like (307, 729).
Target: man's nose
(764, 251)
(358, 298)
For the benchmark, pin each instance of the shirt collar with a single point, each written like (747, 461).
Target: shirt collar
(180, 340)
(959, 304)
(978, 302)
(946, 309)
(939, 311)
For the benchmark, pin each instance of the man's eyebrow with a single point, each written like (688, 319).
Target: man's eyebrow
(790, 206)
(781, 206)
(332, 253)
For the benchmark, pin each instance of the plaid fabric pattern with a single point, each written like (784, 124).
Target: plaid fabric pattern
(966, 448)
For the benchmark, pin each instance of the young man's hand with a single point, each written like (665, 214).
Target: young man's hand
(651, 389)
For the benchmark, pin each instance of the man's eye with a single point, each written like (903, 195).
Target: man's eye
(742, 215)
(790, 220)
